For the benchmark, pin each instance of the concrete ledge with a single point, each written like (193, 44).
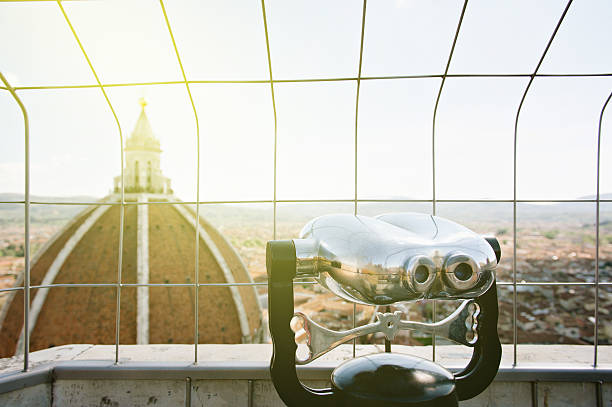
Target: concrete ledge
(235, 370)
(22, 380)
(78, 364)
(103, 370)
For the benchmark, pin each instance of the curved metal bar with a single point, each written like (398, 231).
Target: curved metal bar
(197, 220)
(281, 257)
(433, 150)
(595, 340)
(26, 300)
(274, 201)
(363, 21)
(121, 214)
(435, 112)
(518, 113)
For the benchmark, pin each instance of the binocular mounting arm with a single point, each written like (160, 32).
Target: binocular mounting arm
(460, 327)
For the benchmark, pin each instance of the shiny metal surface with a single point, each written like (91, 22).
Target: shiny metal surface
(385, 379)
(395, 257)
(460, 327)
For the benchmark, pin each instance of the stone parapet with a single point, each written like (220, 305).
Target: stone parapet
(238, 375)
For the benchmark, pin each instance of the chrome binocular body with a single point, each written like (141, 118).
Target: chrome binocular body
(395, 257)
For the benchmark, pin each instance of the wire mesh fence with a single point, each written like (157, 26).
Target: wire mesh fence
(355, 200)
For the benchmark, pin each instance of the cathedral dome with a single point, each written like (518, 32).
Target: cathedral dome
(158, 248)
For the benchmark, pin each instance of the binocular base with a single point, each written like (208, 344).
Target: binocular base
(391, 379)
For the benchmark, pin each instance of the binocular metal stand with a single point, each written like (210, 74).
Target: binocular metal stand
(382, 379)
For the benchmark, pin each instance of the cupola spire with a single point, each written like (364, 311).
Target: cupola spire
(142, 172)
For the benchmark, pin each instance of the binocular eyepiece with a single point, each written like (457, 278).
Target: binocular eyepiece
(459, 273)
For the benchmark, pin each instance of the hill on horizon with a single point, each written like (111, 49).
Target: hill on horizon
(12, 213)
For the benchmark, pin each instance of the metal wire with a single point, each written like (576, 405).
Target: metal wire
(26, 297)
(363, 78)
(122, 213)
(197, 221)
(356, 169)
(596, 340)
(363, 21)
(347, 200)
(518, 112)
(295, 282)
(553, 283)
(534, 394)
(433, 151)
(274, 201)
(12, 289)
(34, 1)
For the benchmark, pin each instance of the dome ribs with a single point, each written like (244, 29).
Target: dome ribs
(13, 323)
(248, 294)
(142, 266)
(171, 308)
(87, 314)
(215, 261)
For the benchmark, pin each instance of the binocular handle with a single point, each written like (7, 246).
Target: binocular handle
(483, 366)
(280, 264)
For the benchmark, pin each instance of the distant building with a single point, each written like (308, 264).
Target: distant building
(142, 171)
(158, 248)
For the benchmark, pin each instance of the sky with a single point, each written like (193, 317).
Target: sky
(75, 142)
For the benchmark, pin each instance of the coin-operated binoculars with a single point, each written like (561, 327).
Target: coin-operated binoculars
(379, 261)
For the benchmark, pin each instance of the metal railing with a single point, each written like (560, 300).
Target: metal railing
(118, 285)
